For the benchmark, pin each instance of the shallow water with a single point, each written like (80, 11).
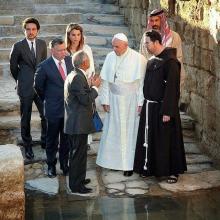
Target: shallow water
(203, 205)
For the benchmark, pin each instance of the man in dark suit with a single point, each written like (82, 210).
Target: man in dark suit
(25, 56)
(49, 84)
(79, 96)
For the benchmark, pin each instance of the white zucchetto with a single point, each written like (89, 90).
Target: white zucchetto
(120, 36)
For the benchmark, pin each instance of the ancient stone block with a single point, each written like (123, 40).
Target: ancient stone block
(123, 3)
(211, 42)
(132, 4)
(7, 20)
(138, 3)
(195, 104)
(137, 17)
(206, 59)
(190, 80)
(188, 35)
(188, 53)
(197, 56)
(12, 197)
(202, 78)
(145, 4)
(210, 83)
(209, 119)
(144, 19)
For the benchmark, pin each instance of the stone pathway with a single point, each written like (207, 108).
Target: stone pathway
(100, 21)
(200, 175)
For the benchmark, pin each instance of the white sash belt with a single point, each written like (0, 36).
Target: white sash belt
(123, 89)
(146, 131)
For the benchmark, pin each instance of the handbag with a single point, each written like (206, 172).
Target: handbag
(97, 121)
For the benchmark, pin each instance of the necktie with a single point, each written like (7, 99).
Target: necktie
(62, 73)
(32, 49)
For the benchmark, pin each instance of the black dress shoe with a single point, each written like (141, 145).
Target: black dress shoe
(86, 181)
(82, 190)
(51, 172)
(29, 152)
(128, 173)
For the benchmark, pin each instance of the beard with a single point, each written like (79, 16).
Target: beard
(156, 28)
(31, 36)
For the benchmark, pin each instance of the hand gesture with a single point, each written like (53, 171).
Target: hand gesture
(96, 81)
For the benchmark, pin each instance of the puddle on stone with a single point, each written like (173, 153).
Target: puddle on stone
(201, 205)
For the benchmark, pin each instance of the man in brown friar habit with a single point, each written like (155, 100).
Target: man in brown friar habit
(160, 149)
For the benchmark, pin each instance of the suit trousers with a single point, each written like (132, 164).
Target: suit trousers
(25, 112)
(54, 137)
(78, 160)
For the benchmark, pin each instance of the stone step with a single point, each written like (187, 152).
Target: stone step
(72, 18)
(192, 148)
(104, 41)
(4, 70)
(103, 19)
(59, 29)
(13, 121)
(8, 97)
(24, 2)
(197, 159)
(98, 53)
(79, 7)
(4, 54)
(198, 168)
(187, 121)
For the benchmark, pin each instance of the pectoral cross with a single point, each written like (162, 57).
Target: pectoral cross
(115, 77)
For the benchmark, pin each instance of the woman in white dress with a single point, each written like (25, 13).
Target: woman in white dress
(75, 41)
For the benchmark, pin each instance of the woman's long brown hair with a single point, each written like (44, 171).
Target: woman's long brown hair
(69, 28)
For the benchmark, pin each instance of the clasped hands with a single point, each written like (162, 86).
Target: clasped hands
(94, 80)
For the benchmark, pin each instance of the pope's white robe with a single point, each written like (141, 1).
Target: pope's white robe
(122, 90)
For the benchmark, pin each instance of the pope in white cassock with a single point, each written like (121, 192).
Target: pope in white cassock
(121, 96)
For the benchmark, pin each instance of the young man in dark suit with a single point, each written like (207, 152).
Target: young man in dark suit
(79, 96)
(24, 58)
(49, 84)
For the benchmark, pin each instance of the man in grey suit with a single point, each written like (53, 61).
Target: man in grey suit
(25, 56)
(49, 84)
(79, 95)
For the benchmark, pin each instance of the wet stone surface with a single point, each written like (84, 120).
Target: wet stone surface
(105, 182)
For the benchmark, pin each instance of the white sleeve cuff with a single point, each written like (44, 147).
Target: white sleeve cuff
(94, 87)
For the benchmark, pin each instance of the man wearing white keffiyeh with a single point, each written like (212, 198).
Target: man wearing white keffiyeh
(157, 20)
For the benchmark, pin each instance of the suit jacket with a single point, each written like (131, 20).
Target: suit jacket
(78, 104)
(49, 85)
(23, 65)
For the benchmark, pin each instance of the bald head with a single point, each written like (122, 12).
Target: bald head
(81, 60)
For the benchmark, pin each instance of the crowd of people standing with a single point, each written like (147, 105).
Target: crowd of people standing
(139, 92)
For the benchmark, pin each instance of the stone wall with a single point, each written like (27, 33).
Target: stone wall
(11, 183)
(135, 12)
(198, 23)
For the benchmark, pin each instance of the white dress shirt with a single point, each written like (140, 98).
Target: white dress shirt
(63, 64)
